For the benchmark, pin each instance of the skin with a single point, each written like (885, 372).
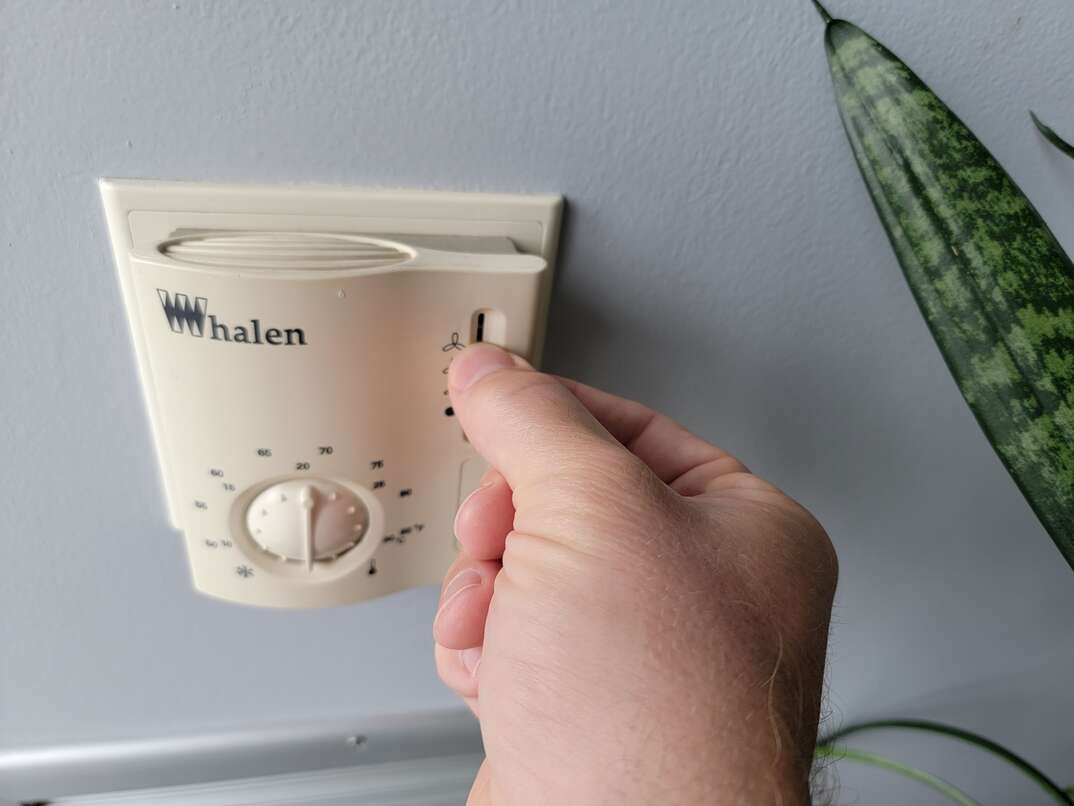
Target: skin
(635, 618)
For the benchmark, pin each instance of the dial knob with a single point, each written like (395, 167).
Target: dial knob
(307, 520)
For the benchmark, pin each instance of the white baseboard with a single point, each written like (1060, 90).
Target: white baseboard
(66, 771)
(421, 782)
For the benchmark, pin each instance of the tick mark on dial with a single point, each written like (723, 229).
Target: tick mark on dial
(449, 411)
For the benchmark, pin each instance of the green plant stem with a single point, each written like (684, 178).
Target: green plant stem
(824, 15)
(939, 784)
(1051, 136)
(1042, 780)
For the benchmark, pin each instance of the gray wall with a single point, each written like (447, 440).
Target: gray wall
(721, 261)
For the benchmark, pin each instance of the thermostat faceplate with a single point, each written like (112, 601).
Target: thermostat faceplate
(294, 344)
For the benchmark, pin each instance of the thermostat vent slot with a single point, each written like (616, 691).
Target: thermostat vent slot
(308, 251)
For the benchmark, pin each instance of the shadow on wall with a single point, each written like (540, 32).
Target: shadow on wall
(770, 403)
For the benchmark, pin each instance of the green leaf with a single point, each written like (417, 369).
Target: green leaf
(952, 792)
(1051, 136)
(992, 282)
(981, 742)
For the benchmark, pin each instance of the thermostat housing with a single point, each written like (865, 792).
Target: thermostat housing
(293, 344)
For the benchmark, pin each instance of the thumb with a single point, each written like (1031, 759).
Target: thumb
(524, 423)
(480, 794)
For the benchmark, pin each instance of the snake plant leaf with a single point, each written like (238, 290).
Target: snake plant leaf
(992, 282)
(1051, 136)
(945, 788)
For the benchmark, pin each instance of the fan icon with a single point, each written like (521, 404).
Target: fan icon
(244, 571)
(454, 344)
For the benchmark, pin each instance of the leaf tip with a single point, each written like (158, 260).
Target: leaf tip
(824, 15)
(1051, 136)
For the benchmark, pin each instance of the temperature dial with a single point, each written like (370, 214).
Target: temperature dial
(307, 520)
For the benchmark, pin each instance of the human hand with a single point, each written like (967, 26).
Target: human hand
(634, 617)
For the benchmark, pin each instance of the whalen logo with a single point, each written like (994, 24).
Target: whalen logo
(186, 316)
(181, 313)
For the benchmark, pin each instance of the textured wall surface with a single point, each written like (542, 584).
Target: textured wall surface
(720, 261)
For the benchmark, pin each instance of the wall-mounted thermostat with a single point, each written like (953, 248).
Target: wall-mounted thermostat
(294, 344)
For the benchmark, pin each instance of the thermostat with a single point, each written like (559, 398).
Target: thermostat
(294, 344)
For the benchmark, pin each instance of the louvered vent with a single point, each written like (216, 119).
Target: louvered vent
(283, 250)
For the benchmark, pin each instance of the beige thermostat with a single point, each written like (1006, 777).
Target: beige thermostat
(293, 344)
